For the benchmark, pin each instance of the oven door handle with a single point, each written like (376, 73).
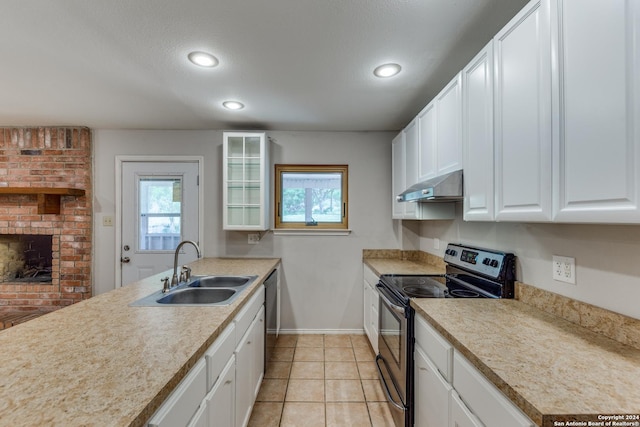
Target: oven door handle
(386, 387)
(398, 309)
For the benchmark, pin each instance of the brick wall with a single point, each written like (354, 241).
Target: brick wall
(58, 157)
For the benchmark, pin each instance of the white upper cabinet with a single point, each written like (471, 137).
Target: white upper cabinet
(477, 136)
(440, 132)
(597, 147)
(398, 175)
(449, 127)
(245, 183)
(427, 162)
(411, 141)
(522, 89)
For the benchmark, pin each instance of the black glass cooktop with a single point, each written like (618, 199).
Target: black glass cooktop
(418, 286)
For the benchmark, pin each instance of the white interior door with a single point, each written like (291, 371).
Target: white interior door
(159, 210)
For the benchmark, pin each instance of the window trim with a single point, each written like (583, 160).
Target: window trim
(306, 168)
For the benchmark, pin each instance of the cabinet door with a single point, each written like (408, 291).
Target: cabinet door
(249, 368)
(431, 393)
(522, 72)
(366, 308)
(257, 362)
(398, 176)
(460, 416)
(449, 127)
(427, 164)
(221, 400)
(370, 307)
(477, 136)
(411, 153)
(598, 148)
(245, 181)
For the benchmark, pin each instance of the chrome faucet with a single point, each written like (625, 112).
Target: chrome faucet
(174, 278)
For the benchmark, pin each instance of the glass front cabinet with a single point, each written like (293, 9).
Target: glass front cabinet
(245, 181)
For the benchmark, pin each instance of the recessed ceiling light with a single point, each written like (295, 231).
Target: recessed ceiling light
(233, 105)
(203, 59)
(387, 70)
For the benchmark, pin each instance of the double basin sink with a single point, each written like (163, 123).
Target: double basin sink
(199, 291)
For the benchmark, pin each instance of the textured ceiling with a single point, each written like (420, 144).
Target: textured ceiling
(295, 64)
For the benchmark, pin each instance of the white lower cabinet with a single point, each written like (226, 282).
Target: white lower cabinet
(470, 400)
(219, 391)
(483, 398)
(460, 415)
(249, 369)
(371, 303)
(431, 391)
(184, 401)
(220, 402)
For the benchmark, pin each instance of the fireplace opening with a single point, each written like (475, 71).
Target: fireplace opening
(26, 258)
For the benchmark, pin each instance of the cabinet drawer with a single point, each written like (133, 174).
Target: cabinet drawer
(483, 398)
(370, 276)
(219, 353)
(248, 312)
(184, 401)
(435, 346)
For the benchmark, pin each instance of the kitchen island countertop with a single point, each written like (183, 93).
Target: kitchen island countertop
(101, 362)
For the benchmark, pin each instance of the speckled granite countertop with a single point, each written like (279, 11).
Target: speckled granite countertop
(103, 363)
(402, 262)
(546, 365)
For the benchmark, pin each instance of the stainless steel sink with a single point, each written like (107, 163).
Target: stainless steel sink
(197, 296)
(212, 290)
(220, 281)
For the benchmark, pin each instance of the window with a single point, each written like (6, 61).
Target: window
(311, 196)
(160, 213)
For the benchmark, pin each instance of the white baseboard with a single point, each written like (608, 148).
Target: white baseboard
(322, 331)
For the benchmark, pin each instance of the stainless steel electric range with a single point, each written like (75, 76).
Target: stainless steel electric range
(470, 273)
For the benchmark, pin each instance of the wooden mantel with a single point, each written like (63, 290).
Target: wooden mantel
(48, 198)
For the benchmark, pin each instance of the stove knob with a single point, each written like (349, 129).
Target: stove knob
(494, 263)
(453, 252)
(486, 261)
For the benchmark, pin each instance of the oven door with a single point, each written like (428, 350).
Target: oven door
(392, 359)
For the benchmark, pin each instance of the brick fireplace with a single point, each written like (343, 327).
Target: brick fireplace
(45, 190)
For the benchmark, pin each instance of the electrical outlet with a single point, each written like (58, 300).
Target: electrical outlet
(436, 243)
(253, 239)
(107, 221)
(564, 269)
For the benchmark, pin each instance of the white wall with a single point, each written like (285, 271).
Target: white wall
(322, 286)
(607, 256)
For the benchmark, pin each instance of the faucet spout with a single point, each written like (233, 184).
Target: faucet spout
(174, 278)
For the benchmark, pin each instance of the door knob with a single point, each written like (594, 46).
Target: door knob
(125, 260)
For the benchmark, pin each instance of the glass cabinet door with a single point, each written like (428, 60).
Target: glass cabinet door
(245, 181)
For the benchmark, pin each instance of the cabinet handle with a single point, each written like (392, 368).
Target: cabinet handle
(228, 382)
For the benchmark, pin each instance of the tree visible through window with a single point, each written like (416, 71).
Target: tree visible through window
(311, 196)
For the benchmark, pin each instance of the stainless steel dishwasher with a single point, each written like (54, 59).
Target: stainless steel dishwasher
(271, 325)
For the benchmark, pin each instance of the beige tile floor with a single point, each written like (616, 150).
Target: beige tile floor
(321, 380)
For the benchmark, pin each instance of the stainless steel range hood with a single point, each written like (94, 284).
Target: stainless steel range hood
(444, 188)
